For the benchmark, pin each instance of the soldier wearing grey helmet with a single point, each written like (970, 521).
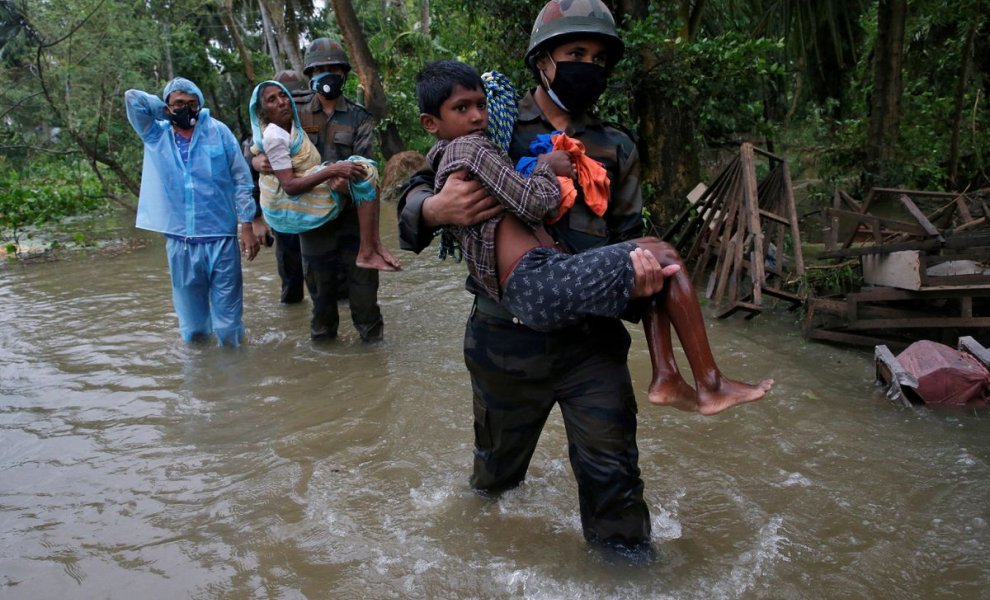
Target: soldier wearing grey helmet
(519, 374)
(339, 128)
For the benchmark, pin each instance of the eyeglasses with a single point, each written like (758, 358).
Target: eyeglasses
(177, 106)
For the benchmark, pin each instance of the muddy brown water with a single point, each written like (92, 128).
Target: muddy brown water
(133, 466)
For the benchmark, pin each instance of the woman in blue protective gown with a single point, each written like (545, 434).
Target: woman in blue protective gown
(195, 187)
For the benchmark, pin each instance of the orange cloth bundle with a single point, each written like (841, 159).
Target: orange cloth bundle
(591, 176)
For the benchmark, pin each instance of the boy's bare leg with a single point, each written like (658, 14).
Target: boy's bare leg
(679, 303)
(668, 387)
(371, 253)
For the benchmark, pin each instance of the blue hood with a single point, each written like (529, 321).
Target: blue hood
(181, 84)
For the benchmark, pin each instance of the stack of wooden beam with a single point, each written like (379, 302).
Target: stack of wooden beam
(925, 259)
(742, 231)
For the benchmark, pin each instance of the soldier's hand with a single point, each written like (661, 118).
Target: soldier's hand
(461, 201)
(648, 275)
(260, 164)
(347, 169)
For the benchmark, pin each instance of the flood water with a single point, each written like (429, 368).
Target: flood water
(134, 466)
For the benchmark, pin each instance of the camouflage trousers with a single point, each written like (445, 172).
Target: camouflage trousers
(326, 252)
(518, 374)
(290, 270)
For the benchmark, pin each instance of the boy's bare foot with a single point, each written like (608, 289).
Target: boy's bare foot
(379, 259)
(729, 394)
(675, 393)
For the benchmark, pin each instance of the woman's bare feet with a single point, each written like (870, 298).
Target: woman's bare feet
(378, 258)
(729, 393)
(674, 392)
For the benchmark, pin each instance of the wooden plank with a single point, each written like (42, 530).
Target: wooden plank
(780, 294)
(928, 244)
(854, 339)
(922, 323)
(840, 308)
(767, 154)
(732, 247)
(757, 275)
(890, 371)
(831, 225)
(850, 201)
(915, 192)
(726, 236)
(942, 281)
(970, 225)
(791, 206)
(829, 306)
(749, 307)
(970, 345)
(920, 217)
(718, 212)
(879, 222)
(896, 269)
(968, 241)
(963, 208)
(766, 214)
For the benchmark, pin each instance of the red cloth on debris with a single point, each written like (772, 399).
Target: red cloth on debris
(946, 375)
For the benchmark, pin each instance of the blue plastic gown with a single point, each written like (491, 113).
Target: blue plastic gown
(204, 197)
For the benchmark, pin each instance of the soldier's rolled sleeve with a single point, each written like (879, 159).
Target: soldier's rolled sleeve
(364, 138)
(414, 234)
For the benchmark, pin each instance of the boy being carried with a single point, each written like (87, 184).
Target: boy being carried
(518, 264)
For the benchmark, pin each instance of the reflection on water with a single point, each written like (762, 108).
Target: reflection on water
(135, 466)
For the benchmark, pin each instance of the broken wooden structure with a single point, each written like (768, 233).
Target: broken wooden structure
(742, 230)
(924, 258)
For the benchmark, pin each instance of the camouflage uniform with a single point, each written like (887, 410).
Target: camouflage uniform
(333, 247)
(518, 374)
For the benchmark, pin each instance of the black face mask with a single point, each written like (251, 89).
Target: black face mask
(577, 86)
(328, 85)
(184, 118)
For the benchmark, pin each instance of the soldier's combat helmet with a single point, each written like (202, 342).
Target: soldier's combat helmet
(292, 82)
(561, 20)
(324, 51)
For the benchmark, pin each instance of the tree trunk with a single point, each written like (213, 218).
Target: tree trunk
(227, 13)
(167, 35)
(957, 113)
(291, 45)
(424, 17)
(668, 152)
(397, 11)
(367, 71)
(885, 102)
(268, 28)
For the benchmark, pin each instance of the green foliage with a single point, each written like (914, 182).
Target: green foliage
(782, 69)
(725, 80)
(932, 64)
(828, 280)
(48, 192)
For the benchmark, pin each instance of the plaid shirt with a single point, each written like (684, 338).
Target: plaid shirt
(531, 199)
